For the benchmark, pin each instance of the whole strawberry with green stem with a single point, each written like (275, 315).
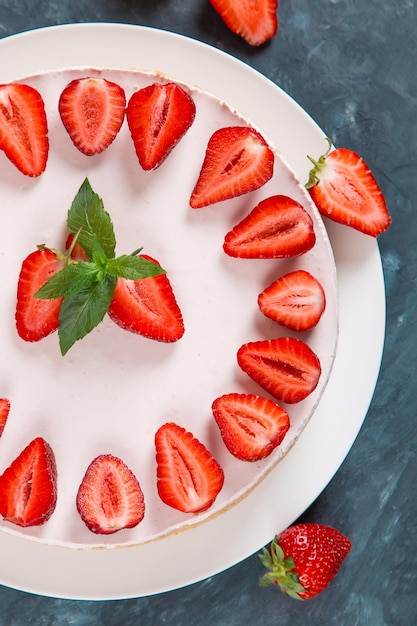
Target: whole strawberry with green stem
(304, 559)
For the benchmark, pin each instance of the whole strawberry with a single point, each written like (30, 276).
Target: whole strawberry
(304, 559)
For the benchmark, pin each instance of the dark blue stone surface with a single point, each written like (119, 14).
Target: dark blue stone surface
(352, 65)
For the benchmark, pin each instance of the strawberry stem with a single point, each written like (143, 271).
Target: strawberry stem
(313, 178)
(72, 246)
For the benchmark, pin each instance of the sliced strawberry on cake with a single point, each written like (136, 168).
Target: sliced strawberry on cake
(345, 190)
(188, 477)
(4, 413)
(285, 367)
(148, 307)
(35, 317)
(109, 497)
(278, 227)
(24, 128)
(254, 20)
(158, 116)
(295, 300)
(250, 426)
(92, 110)
(28, 487)
(237, 160)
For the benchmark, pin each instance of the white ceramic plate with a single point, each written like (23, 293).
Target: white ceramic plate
(190, 556)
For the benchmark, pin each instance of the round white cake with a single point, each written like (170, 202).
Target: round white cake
(113, 390)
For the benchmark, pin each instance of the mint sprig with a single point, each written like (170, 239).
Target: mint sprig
(87, 287)
(88, 217)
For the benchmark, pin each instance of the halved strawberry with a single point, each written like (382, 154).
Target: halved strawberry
(237, 160)
(287, 368)
(4, 413)
(147, 307)
(277, 227)
(92, 110)
(28, 487)
(109, 497)
(24, 128)
(250, 426)
(345, 190)
(254, 20)
(295, 300)
(37, 318)
(188, 477)
(158, 116)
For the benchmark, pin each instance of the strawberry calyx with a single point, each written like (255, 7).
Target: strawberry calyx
(319, 164)
(281, 571)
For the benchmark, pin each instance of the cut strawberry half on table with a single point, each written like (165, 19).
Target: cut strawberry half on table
(109, 497)
(304, 559)
(158, 116)
(345, 190)
(285, 367)
(188, 477)
(4, 413)
(147, 307)
(24, 128)
(36, 318)
(237, 160)
(28, 487)
(251, 426)
(278, 227)
(92, 110)
(295, 300)
(254, 20)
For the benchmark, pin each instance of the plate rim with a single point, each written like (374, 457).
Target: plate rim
(48, 585)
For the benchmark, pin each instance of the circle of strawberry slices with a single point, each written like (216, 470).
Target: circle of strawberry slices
(134, 290)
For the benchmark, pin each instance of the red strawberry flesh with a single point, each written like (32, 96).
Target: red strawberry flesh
(254, 20)
(35, 317)
(92, 111)
(251, 426)
(295, 300)
(158, 116)
(345, 190)
(278, 227)
(237, 161)
(147, 307)
(285, 367)
(188, 477)
(28, 487)
(24, 128)
(4, 413)
(109, 497)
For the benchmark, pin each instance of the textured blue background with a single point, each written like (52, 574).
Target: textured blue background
(352, 65)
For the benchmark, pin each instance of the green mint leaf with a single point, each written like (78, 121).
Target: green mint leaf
(87, 212)
(133, 267)
(98, 255)
(71, 279)
(83, 311)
